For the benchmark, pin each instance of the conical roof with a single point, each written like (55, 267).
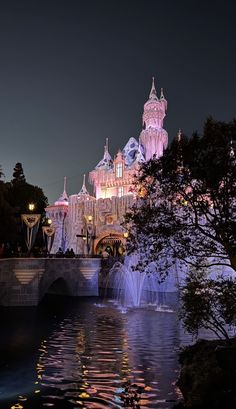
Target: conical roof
(106, 162)
(83, 193)
(153, 93)
(132, 152)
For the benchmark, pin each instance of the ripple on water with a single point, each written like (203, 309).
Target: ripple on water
(93, 350)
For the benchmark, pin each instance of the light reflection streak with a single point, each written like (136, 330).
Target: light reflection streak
(79, 364)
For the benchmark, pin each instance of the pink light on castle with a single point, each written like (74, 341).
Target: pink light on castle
(112, 180)
(153, 137)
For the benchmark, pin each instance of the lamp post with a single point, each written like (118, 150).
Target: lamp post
(31, 221)
(48, 234)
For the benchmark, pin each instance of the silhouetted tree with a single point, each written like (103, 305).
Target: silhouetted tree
(7, 221)
(1, 172)
(15, 197)
(18, 174)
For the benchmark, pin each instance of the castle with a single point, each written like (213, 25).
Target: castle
(92, 224)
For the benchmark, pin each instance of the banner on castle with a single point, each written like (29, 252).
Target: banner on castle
(31, 221)
(48, 234)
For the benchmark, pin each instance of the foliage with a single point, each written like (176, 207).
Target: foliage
(203, 381)
(20, 195)
(7, 221)
(208, 303)
(186, 206)
(15, 197)
(1, 172)
(18, 174)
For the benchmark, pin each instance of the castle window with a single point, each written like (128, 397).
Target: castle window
(119, 170)
(120, 191)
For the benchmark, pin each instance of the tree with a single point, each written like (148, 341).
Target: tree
(18, 175)
(7, 221)
(208, 303)
(186, 206)
(20, 195)
(15, 197)
(1, 172)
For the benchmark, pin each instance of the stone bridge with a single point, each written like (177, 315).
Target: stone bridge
(24, 281)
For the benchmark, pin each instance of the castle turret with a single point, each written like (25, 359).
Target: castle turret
(153, 137)
(57, 213)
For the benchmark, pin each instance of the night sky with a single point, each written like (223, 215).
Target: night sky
(73, 73)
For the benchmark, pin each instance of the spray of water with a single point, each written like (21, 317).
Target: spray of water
(133, 289)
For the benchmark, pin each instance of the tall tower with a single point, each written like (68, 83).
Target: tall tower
(153, 137)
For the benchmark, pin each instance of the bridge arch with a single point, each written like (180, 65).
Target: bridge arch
(24, 281)
(58, 287)
(56, 283)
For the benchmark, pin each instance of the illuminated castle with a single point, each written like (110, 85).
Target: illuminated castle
(92, 224)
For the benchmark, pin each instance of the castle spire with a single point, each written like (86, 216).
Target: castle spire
(162, 94)
(106, 162)
(153, 93)
(63, 199)
(83, 191)
(163, 100)
(106, 146)
(64, 190)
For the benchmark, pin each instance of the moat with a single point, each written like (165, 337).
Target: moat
(79, 353)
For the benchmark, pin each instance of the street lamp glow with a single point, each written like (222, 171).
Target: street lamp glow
(126, 234)
(90, 218)
(49, 222)
(31, 206)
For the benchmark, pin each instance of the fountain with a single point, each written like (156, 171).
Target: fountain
(132, 288)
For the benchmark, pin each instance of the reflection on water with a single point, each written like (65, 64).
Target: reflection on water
(79, 353)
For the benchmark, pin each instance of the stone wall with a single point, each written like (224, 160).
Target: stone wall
(24, 281)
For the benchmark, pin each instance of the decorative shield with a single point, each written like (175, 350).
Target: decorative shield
(30, 219)
(49, 230)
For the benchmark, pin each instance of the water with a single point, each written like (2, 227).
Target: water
(137, 289)
(78, 353)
